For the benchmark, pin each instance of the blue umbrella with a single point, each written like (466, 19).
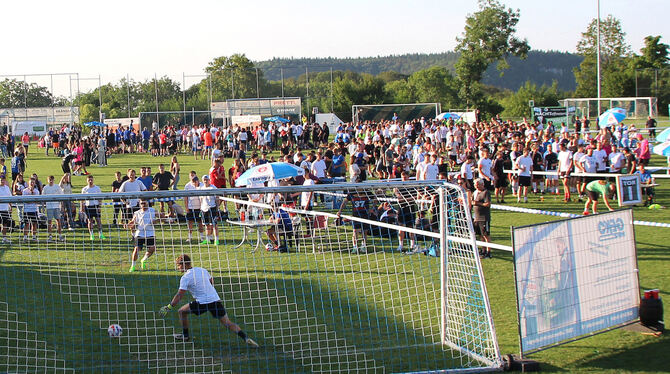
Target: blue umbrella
(611, 117)
(447, 116)
(663, 136)
(662, 149)
(94, 124)
(267, 172)
(276, 119)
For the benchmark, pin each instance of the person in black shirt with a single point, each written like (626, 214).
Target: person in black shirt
(66, 162)
(162, 181)
(651, 125)
(551, 164)
(499, 177)
(118, 205)
(481, 209)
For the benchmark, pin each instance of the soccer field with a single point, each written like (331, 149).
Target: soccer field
(58, 296)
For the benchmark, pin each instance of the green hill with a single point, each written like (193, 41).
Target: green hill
(541, 67)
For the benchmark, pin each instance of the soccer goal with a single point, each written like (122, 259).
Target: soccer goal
(370, 277)
(636, 107)
(403, 112)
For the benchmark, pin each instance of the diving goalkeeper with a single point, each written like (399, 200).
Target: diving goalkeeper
(199, 283)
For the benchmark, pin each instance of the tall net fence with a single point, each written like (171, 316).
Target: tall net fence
(387, 112)
(327, 278)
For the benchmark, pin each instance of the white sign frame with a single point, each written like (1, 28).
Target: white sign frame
(628, 185)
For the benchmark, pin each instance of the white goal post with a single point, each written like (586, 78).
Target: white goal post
(332, 288)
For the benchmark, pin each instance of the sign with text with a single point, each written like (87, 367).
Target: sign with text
(575, 277)
(554, 114)
(628, 189)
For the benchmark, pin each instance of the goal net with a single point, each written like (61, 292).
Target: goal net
(386, 112)
(330, 289)
(636, 107)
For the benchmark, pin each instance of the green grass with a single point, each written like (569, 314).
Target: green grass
(265, 289)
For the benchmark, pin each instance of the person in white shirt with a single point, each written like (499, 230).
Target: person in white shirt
(565, 165)
(92, 208)
(30, 211)
(53, 208)
(200, 284)
(145, 234)
(616, 160)
(132, 185)
(432, 170)
(5, 209)
(210, 212)
(601, 158)
(484, 167)
(318, 168)
(525, 166)
(192, 205)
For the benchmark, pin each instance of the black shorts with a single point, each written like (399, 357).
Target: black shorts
(406, 217)
(6, 219)
(193, 215)
(642, 161)
(524, 181)
(216, 308)
(360, 225)
(127, 142)
(501, 182)
(30, 217)
(593, 195)
(142, 242)
(129, 211)
(210, 217)
(92, 211)
(481, 228)
(488, 185)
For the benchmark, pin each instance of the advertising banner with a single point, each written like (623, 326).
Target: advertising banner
(554, 114)
(575, 277)
(114, 123)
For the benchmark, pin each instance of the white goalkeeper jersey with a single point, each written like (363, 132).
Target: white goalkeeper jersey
(144, 222)
(197, 282)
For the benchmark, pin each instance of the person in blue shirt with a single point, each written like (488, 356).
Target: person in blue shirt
(646, 178)
(283, 226)
(145, 140)
(337, 166)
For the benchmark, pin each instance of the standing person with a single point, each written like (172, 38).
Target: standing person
(25, 140)
(200, 284)
(102, 151)
(175, 169)
(499, 176)
(5, 210)
(209, 211)
(118, 207)
(17, 189)
(92, 208)
(66, 186)
(484, 167)
(162, 181)
(53, 208)
(30, 211)
(144, 235)
(551, 166)
(643, 151)
(481, 209)
(651, 126)
(132, 185)
(525, 166)
(192, 207)
(407, 206)
(360, 206)
(595, 189)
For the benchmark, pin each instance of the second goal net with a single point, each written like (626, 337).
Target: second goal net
(369, 277)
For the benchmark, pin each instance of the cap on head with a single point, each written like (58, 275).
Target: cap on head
(205, 177)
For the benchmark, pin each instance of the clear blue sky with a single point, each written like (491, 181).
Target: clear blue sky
(141, 37)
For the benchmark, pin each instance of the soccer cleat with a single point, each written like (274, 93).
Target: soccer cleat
(251, 342)
(399, 249)
(142, 265)
(204, 241)
(354, 251)
(61, 238)
(102, 236)
(216, 242)
(132, 268)
(181, 337)
(92, 237)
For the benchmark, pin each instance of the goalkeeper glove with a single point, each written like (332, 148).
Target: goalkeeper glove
(164, 310)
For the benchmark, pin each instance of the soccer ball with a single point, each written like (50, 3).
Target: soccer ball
(114, 330)
(269, 247)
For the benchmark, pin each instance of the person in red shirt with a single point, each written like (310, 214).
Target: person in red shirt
(25, 140)
(208, 141)
(217, 173)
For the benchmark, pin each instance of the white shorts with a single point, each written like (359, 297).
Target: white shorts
(53, 213)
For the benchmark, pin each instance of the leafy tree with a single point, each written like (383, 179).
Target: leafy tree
(19, 94)
(488, 38)
(654, 53)
(616, 79)
(233, 77)
(516, 104)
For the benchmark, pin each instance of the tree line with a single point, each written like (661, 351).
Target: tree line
(486, 49)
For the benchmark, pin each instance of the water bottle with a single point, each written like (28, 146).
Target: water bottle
(243, 214)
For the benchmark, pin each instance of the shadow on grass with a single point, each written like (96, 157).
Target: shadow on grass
(649, 358)
(304, 324)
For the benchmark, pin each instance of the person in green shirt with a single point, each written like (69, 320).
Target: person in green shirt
(594, 190)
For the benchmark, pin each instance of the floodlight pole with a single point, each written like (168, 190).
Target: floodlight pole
(158, 118)
(598, 52)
